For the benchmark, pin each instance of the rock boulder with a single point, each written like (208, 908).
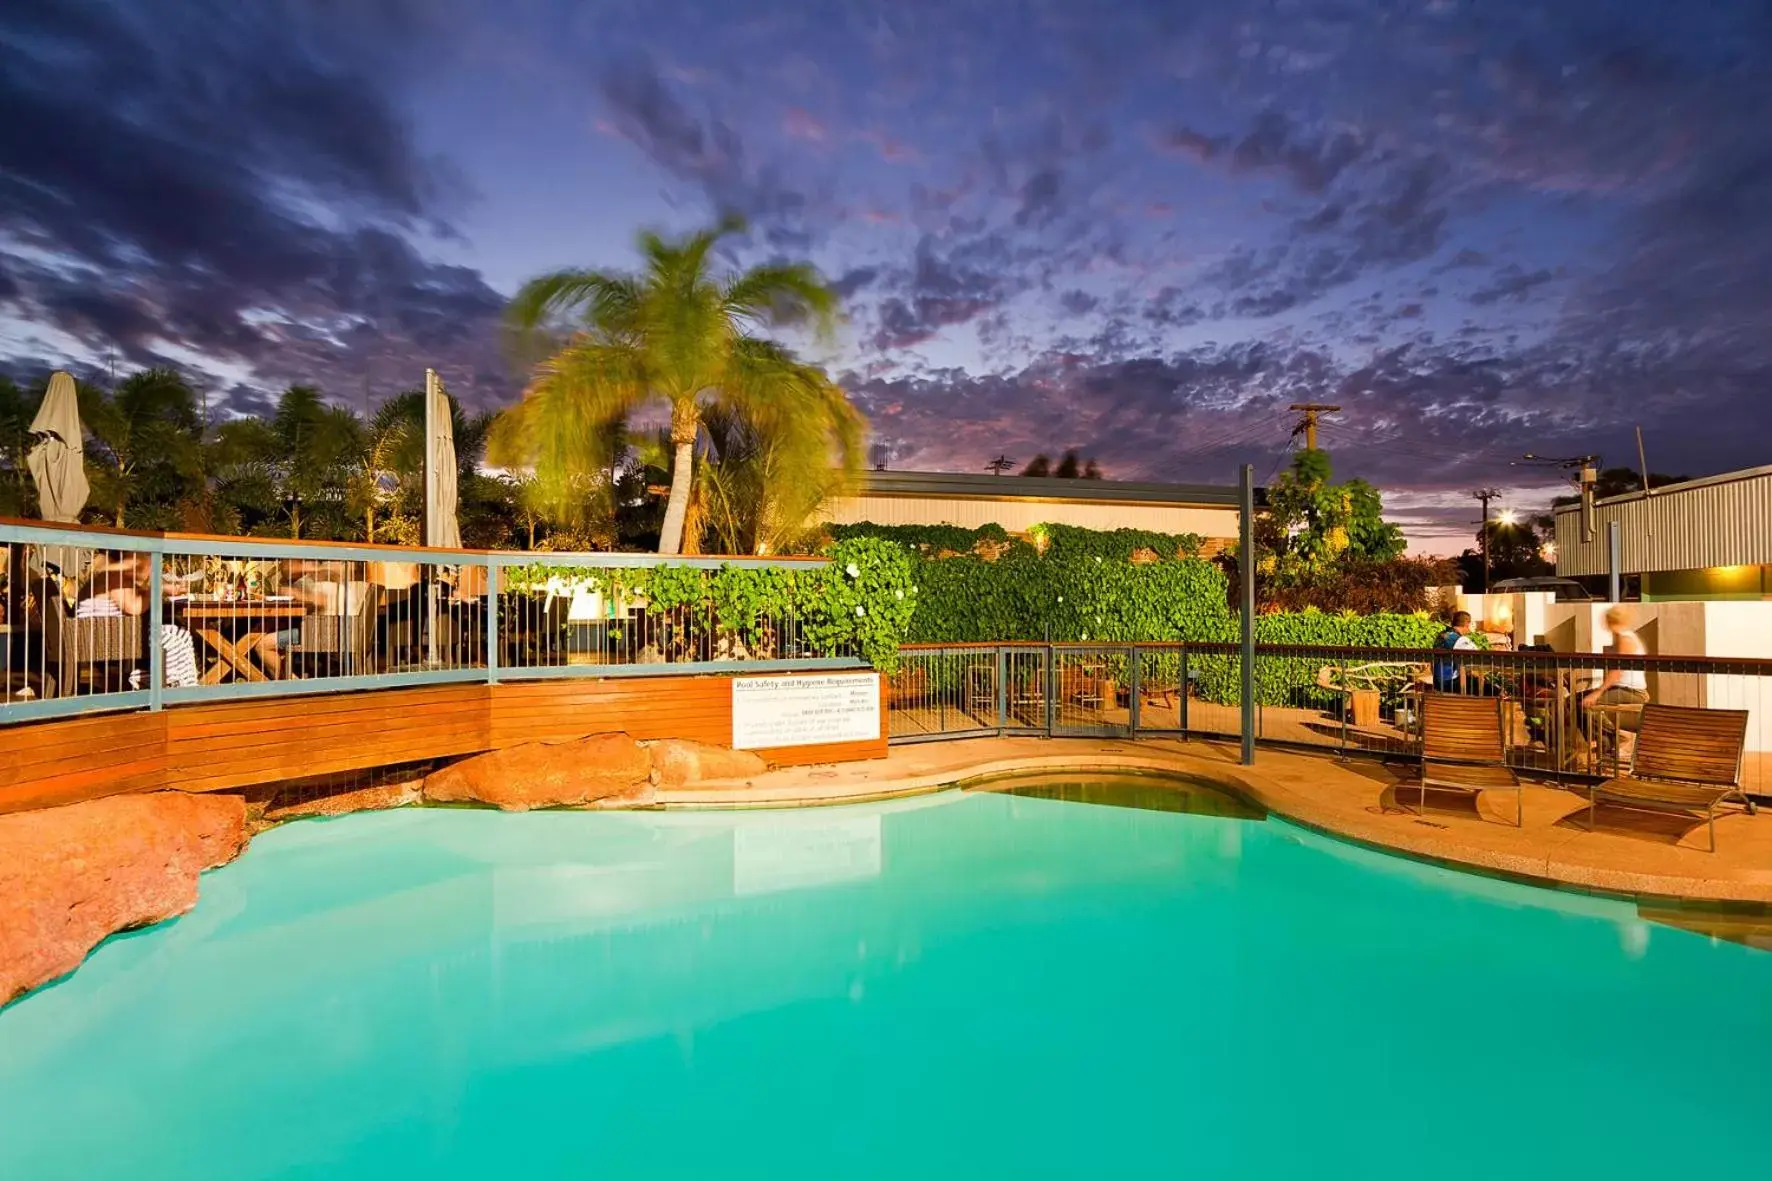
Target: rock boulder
(679, 761)
(547, 774)
(73, 875)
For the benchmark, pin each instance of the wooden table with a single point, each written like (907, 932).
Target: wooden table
(231, 629)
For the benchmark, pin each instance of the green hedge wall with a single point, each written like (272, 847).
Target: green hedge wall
(1084, 588)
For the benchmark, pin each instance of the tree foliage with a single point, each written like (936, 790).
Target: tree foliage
(679, 333)
(1313, 523)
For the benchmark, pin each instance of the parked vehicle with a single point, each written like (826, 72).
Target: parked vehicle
(1567, 590)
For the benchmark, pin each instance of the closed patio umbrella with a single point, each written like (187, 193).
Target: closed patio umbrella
(58, 461)
(441, 527)
(58, 466)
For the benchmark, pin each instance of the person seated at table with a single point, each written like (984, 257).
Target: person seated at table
(1449, 674)
(321, 588)
(117, 585)
(1619, 687)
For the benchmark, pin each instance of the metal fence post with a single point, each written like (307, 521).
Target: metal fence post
(1181, 715)
(1051, 677)
(156, 614)
(1002, 693)
(1132, 689)
(492, 573)
(1246, 570)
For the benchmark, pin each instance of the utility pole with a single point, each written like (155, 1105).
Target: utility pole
(1485, 495)
(1307, 426)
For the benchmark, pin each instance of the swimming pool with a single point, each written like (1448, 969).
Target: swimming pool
(963, 985)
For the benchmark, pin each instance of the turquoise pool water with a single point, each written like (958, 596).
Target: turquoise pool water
(958, 986)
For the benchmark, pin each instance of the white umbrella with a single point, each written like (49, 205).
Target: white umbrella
(58, 461)
(441, 527)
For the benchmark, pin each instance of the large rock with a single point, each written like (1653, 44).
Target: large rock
(547, 774)
(71, 876)
(679, 761)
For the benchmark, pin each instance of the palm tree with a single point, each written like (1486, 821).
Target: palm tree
(394, 454)
(676, 332)
(149, 436)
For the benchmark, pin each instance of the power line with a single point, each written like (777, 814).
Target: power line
(1307, 425)
(1485, 495)
(1229, 437)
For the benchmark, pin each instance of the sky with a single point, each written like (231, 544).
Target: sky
(1140, 229)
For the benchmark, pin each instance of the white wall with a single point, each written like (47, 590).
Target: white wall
(1690, 628)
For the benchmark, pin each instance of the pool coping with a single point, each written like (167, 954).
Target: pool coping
(1315, 792)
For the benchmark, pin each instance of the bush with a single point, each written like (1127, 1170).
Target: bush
(861, 602)
(1393, 586)
(1283, 681)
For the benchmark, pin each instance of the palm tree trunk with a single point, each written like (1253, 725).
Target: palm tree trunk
(684, 423)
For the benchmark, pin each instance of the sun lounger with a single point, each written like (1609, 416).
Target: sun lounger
(1686, 760)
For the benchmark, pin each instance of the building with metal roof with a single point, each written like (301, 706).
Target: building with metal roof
(1019, 502)
(1698, 539)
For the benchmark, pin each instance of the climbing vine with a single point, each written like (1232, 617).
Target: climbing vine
(859, 603)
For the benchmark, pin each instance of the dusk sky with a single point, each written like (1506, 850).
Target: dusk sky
(1137, 229)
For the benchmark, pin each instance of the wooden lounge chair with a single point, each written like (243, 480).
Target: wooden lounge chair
(1686, 760)
(1464, 748)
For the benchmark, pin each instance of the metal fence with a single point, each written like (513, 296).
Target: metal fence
(101, 620)
(1351, 701)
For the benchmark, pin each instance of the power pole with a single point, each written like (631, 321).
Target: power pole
(1307, 426)
(1485, 495)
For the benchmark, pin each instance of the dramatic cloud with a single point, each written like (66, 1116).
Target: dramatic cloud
(231, 185)
(1140, 229)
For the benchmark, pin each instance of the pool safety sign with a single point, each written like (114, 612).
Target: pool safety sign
(805, 710)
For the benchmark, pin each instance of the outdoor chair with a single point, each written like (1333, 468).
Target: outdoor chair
(87, 646)
(981, 693)
(347, 639)
(1464, 748)
(1687, 760)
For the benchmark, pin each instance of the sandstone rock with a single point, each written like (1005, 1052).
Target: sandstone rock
(366, 799)
(678, 761)
(545, 774)
(70, 876)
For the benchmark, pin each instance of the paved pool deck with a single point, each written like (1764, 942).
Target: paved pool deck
(1636, 854)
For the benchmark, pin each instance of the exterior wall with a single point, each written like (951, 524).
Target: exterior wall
(1722, 521)
(1714, 629)
(1721, 584)
(1018, 514)
(239, 744)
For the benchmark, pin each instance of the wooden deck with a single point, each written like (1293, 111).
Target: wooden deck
(241, 744)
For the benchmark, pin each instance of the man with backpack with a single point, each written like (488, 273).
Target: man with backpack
(1449, 677)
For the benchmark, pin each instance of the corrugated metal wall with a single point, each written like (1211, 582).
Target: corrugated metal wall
(1727, 522)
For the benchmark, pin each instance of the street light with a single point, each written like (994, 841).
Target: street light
(1508, 516)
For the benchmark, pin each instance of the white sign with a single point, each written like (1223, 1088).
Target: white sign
(805, 711)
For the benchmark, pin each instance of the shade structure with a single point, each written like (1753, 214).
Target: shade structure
(58, 460)
(441, 526)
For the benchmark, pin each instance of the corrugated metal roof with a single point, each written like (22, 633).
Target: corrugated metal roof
(954, 484)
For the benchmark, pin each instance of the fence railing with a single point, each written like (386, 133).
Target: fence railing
(108, 620)
(1352, 701)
